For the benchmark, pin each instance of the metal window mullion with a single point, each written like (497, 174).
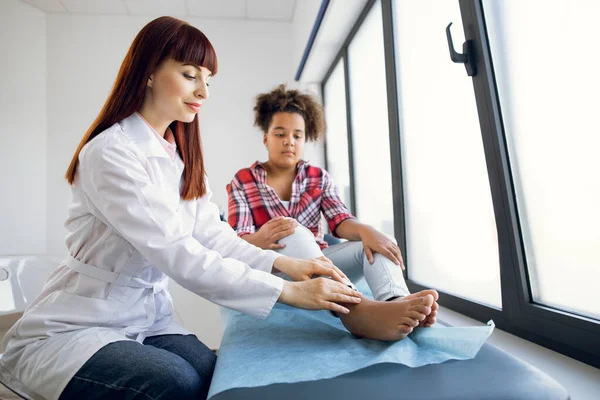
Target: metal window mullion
(353, 208)
(394, 128)
(325, 147)
(496, 156)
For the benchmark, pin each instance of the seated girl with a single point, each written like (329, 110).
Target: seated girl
(278, 205)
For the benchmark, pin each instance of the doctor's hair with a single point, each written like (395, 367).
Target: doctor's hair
(161, 39)
(281, 99)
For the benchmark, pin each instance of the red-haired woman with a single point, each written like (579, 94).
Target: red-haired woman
(140, 212)
(278, 205)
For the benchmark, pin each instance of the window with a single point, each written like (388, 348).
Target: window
(451, 237)
(495, 192)
(549, 108)
(338, 164)
(370, 129)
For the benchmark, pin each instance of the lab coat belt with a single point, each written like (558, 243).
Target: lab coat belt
(122, 279)
(119, 279)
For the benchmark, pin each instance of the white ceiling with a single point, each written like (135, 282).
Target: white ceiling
(272, 10)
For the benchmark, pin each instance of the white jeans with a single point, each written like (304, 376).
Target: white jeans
(384, 278)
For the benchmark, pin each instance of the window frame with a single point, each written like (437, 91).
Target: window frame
(570, 334)
(341, 57)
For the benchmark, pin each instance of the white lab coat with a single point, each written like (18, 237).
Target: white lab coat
(128, 231)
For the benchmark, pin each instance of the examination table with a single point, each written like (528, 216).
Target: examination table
(492, 374)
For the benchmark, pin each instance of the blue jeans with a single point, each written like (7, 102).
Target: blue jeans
(164, 367)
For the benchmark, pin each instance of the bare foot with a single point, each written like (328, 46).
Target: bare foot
(432, 317)
(382, 320)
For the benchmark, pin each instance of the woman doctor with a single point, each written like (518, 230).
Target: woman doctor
(140, 214)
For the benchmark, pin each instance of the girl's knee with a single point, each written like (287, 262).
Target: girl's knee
(301, 235)
(300, 244)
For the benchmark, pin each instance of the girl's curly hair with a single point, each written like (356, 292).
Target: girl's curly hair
(281, 99)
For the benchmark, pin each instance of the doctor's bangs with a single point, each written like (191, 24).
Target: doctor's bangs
(190, 46)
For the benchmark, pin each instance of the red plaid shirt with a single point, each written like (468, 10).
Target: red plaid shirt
(252, 202)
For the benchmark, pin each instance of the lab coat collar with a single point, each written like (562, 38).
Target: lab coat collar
(136, 129)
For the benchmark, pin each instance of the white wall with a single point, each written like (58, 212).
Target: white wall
(22, 129)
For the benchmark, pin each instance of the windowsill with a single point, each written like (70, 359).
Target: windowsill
(581, 381)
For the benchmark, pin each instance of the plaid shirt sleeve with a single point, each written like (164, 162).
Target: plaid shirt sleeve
(239, 215)
(333, 208)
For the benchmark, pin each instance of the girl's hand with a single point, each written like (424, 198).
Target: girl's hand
(318, 294)
(376, 242)
(270, 233)
(303, 270)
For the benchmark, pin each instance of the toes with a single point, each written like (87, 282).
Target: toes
(405, 329)
(427, 300)
(434, 293)
(426, 292)
(420, 308)
(429, 321)
(417, 315)
(409, 322)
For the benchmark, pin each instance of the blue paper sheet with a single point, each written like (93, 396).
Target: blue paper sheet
(293, 345)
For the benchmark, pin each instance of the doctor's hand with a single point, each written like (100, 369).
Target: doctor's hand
(376, 242)
(271, 232)
(318, 294)
(302, 270)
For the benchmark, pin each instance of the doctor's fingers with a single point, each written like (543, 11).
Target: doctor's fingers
(330, 270)
(343, 298)
(335, 308)
(332, 291)
(340, 273)
(323, 258)
(333, 299)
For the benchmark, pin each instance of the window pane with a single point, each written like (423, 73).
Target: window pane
(337, 132)
(546, 62)
(370, 132)
(452, 242)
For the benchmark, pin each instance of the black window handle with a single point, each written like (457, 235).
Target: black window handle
(467, 57)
